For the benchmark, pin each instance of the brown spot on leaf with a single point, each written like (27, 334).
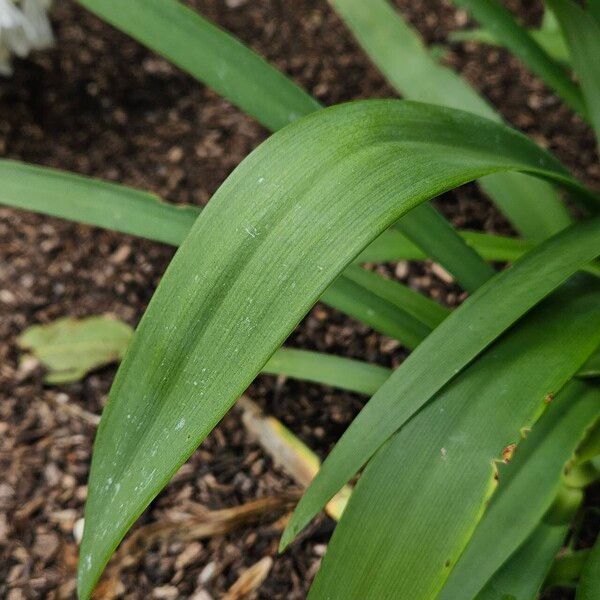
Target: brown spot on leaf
(507, 453)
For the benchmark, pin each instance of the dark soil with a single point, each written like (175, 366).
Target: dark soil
(101, 105)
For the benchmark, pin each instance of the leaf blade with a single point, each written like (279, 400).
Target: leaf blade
(248, 272)
(447, 347)
(418, 501)
(583, 35)
(397, 50)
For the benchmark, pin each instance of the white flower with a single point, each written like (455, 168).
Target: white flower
(24, 26)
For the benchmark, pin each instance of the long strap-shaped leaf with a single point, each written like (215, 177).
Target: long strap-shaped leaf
(532, 206)
(140, 213)
(583, 36)
(143, 214)
(419, 500)
(277, 232)
(589, 586)
(521, 577)
(337, 371)
(211, 55)
(501, 22)
(217, 58)
(533, 474)
(450, 347)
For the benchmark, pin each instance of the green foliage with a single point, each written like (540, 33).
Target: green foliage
(517, 39)
(71, 348)
(589, 588)
(531, 205)
(583, 34)
(204, 334)
(346, 185)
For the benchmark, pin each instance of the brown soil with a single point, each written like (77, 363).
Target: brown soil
(101, 105)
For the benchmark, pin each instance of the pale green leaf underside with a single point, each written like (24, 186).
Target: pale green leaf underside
(279, 230)
(419, 499)
(69, 348)
(532, 206)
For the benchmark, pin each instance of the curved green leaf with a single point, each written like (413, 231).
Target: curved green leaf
(221, 61)
(94, 202)
(143, 214)
(583, 36)
(419, 499)
(534, 474)
(532, 206)
(131, 211)
(451, 346)
(249, 271)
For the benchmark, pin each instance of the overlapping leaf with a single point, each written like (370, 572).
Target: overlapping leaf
(583, 35)
(451, 346)
(417, 503)
(132, 211)
(218, 59)
(532, 206)
(249, 270)
(505, 28)
(534, 474)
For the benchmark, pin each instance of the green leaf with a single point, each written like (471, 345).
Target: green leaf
(521, 577)
(427, 311)
(583, 35)
(594, 8)
(222, 62)
(128, 210)
(419, 499)
(392, 245)
(120, 208)
(567, 568)
(497, 19)
(70, 348)
(426, 227)
(385, 305)
(249, 271)
(532, 206)
(534, 473)
(592, 366)
(210, 54)
(548, 36)
(450, 347)
(94, 202)
(339, 372)
(589, 586)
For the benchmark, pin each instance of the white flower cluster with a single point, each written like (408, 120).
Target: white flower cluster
(24, 26)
